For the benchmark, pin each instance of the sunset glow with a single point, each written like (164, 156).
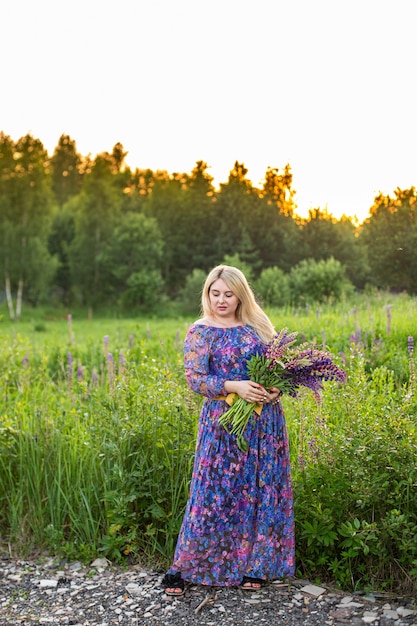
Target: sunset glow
(324, 86)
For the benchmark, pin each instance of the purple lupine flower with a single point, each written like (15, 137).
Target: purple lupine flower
(69, 366)
(309, 368)
(106, 344)
(122, 363)
(80, 373)
(279, 344)
(94, 377)
(287, 368)
(110, 369)
(356, 337)
(412, 379)
(301, 462)
(25, 361)
(312, 444)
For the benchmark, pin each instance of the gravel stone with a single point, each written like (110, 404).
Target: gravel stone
(33, 593)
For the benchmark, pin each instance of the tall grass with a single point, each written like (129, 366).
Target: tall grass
(95, 447)
(97, 436)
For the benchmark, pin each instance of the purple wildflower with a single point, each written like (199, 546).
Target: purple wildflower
(412, 380)
(122, 363)
(94, 378)
(356, 337)
(110, 369)
(69, 367)
(310, 368)
(287, 368)
(80, 373)
(280, 344)
(25, 361)
(301, 462)
(312, 444)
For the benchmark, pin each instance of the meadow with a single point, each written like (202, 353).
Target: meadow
(97, 436)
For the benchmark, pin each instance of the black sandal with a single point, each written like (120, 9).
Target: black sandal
(174, 583)
(248, 583)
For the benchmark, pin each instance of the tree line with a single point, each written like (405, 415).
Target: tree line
(76, 230)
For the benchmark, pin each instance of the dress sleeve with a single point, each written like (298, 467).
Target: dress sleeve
(197, 347)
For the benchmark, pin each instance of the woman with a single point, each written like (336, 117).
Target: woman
(238, 527)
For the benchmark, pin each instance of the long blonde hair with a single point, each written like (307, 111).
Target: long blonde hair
(248, 310)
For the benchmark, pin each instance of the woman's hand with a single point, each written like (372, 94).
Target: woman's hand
(275, 395)
(251, 392)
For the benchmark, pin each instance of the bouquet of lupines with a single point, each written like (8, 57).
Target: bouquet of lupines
(287, 368)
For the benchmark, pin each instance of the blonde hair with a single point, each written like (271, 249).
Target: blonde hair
(248, 310)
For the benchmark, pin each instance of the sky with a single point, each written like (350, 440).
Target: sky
(327, 86)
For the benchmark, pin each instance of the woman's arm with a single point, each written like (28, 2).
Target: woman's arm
(197, 347)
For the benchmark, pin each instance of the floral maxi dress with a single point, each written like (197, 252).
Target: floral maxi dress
(239, 516)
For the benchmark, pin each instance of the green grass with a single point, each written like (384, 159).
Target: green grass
(97, 436)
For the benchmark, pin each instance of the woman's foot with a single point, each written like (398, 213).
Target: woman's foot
(173, 584)
(252, 584)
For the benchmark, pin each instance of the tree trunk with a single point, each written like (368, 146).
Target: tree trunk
(19, 299)
(9, 298)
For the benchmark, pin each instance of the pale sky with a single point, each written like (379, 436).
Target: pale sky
(328, 86)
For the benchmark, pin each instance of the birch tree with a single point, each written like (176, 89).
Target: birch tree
(25, 208)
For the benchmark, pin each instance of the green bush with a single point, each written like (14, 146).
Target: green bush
(318, 281)
(354, 480)
(190, 296)
(272, 287)
(144, 291)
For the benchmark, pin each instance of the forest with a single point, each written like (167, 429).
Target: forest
(92, 232)
(97, 418)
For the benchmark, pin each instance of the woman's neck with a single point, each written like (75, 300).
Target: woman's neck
(223, 322)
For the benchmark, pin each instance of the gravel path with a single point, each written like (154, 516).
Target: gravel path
(101, 594)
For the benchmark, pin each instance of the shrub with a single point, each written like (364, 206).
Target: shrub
(144, 291)
(318, 281)
(356, 516)
(190, 296)
(272, 287)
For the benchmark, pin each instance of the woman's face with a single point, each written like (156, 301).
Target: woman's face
(223, 301)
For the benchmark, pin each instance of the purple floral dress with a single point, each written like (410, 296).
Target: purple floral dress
(239, 517)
